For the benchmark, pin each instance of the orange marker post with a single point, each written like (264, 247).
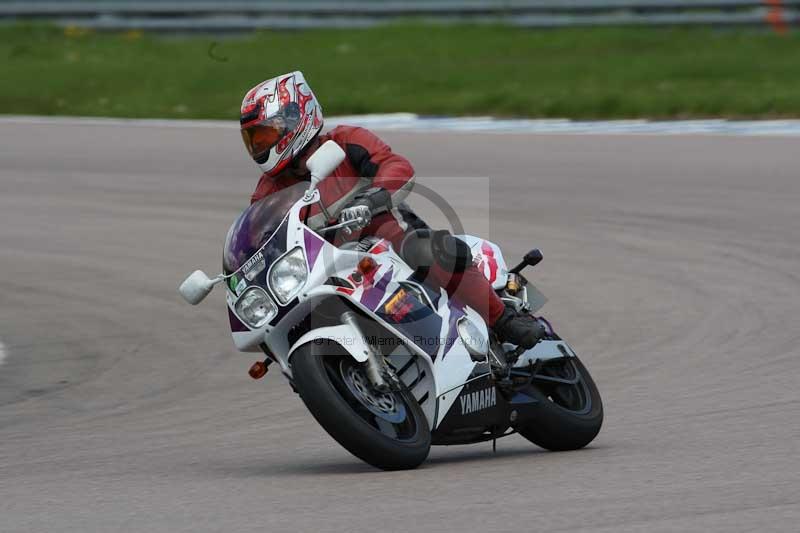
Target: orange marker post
(775, 16)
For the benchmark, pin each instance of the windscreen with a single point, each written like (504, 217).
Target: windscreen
(256, 224)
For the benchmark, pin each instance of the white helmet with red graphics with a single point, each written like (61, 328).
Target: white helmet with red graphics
(280, 116)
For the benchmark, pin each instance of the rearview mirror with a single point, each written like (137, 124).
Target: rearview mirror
(323, 162)
(196, 287)
(532, 258)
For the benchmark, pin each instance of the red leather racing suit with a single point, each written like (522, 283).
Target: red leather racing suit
(370, 162)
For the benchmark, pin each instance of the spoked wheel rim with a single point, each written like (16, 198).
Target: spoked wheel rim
(385, 412)
(562, 383)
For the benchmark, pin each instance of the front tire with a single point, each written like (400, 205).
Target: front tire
(388, 431)
(567, 417)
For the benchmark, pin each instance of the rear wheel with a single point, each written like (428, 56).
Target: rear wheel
(570, 412)
(386, 430)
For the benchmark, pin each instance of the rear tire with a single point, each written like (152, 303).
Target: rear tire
(560, 426)
(332, 386)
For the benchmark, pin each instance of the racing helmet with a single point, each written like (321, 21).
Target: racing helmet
(279, 117)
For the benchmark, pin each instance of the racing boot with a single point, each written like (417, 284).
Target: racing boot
(519, 328)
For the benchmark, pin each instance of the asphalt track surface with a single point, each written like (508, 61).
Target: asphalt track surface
(672, 265)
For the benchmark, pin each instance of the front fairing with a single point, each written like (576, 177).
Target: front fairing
(257, 239)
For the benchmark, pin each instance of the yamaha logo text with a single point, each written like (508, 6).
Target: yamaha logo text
(480, 399)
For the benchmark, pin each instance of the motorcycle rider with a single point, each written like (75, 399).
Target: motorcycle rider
(280, 124)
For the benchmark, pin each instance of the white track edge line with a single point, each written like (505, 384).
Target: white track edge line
(412, 122)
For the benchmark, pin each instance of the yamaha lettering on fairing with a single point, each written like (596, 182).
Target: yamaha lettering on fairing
(479, 410)
(478, 400)
(253, 266)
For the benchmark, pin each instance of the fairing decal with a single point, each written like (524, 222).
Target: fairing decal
(374, 294)
(488, 258)
(313, 246)
(456, 312)
(487, 262)
(380, 247)
(414, 319)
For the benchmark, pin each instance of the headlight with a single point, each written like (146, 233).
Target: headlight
(255, 307)
(288, 275)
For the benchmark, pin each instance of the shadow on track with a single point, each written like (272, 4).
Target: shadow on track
(354, 466)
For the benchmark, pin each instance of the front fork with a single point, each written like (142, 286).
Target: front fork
(375, 366)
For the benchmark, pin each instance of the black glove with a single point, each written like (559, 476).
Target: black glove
(377, 199)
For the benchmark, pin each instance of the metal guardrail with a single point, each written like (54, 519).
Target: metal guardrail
(204, 15)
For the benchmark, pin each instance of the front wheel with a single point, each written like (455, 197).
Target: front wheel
(569, 412)
(387, 430)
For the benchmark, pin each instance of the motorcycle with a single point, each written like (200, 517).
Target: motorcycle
(387, 364)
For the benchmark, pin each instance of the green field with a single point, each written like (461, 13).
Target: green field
(439, 70)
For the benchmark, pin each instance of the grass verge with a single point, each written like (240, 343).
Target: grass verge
(439, 70)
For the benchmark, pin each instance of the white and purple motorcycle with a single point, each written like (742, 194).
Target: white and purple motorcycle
(387, 364)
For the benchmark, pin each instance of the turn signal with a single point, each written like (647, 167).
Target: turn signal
(258, 370)
(513, 284)
(367, 265)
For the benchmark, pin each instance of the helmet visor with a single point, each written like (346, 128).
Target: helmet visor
(260, 137)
